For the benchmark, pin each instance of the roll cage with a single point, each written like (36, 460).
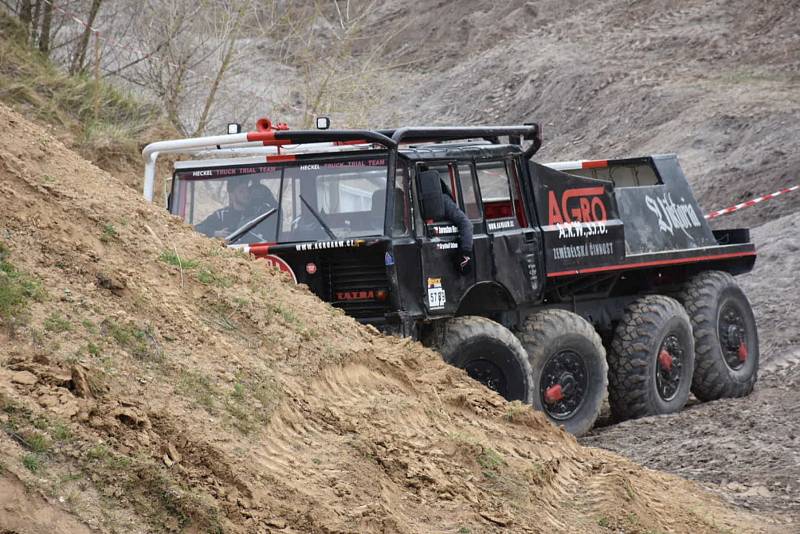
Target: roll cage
(281, 144)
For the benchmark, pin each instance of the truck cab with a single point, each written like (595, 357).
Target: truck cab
(354, 232)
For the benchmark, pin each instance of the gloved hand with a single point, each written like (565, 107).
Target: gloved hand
(464, 263)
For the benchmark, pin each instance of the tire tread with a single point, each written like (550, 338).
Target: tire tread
(630, 353)
(710, 380)
(539, 329)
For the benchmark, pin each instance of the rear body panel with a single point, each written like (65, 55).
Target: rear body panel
(579, 218)
(657, 214)
(665, 216)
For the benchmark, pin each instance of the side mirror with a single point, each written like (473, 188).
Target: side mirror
(430, 195)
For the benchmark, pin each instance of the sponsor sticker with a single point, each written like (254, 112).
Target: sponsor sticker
(323, 245)
(533, 274)
(584, 204)
(362, 294)
(672, 216)
(436, 294)
(221, 173)
(494, 226)
(579, 229)
(445, 230)
(571, 252)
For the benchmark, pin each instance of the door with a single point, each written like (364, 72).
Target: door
(442, 284)
(514, 241)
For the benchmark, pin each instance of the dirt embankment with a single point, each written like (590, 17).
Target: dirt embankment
(157, 382)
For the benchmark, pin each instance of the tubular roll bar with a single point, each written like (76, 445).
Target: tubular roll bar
(529, 132)
(298, 137)
(390, 139)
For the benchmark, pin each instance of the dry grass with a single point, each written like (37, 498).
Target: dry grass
(103, 123)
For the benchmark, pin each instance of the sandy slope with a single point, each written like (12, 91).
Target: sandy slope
(218, 396)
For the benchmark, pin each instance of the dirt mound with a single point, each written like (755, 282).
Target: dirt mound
(156, 381)
(102, 123)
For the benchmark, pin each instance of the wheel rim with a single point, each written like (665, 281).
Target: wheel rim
(669, 367)
(489, 374)
(733, 337)
(564, 384)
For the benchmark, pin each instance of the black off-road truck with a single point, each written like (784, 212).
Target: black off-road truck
(589, 276)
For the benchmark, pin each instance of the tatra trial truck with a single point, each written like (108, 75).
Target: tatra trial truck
(589, 278)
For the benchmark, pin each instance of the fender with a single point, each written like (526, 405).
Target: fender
(486, 296)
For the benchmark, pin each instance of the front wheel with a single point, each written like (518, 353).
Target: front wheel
(569, 368)
(487, 351)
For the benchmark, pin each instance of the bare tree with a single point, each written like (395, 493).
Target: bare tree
(44, 34)
(340, 63)
(26, 15)
(79, 55)
(193, 64)
(37, 9)
(209, 61)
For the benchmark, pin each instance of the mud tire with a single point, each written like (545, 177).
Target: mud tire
(488, 351)
(705, 297)
(550, 334)
(635, 374)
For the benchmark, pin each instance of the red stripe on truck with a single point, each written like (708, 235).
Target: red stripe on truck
(260, 249)
(282, 157)
(623, 266)
(261, 136)
(267, 138)
(596, 164)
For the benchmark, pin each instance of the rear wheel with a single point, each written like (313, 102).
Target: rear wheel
(487, 351)
(569, 368)
(725, 334)
(651, 359)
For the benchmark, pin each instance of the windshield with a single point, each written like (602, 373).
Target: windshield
(298, 202)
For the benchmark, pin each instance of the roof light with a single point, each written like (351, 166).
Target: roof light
(234, 128)
(323, 123)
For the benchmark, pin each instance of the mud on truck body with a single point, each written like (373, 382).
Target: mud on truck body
(589, 276)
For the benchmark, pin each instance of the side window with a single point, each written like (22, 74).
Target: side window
(447, 176)
(519, 208)
(401, 225)
(495, 190)
(469, 197)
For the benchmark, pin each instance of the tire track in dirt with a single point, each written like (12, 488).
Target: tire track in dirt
(780, 363)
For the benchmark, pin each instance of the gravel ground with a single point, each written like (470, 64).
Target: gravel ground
(746, 450)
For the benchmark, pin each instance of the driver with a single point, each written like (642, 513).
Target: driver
(239, 210)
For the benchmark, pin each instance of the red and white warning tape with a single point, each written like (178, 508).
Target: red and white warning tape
(751, 202)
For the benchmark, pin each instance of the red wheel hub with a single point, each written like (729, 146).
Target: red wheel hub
(553, 394)
(742, 351)
(665, 360)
